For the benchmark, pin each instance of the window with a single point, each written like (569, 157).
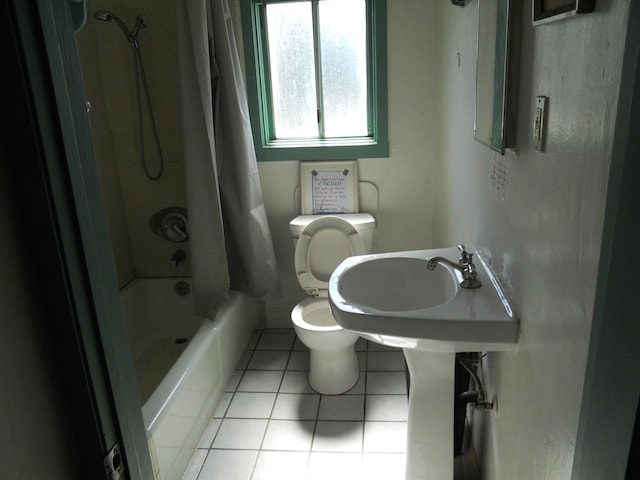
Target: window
(316, 78)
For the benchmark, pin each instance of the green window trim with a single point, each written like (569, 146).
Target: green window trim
(376, 145)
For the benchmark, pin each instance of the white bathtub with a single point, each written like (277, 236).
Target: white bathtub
(177, 410)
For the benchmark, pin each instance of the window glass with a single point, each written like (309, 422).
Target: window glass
(343, 50)
(291, 60)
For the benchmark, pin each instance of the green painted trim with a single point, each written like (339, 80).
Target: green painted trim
(334, 152)
(89, 219)
(261, 111)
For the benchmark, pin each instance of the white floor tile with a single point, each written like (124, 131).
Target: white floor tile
(362, 361)
(253, 341)
(210, 433)
(338, 437)
(251, 405)
(268, 360)
(334, 466)
(385, 437)
(277, 427)
(221, 409)
(281, 466)
(228, 465)
(276, 341)
(288, 435)
(295, 382)
(296, 406)
(386, 382)
(383, 466)
(239, 433)
(385, 361)
(299, 346)
(235, 380)
(341, 407)
(299, 361)
(387, 408)
(244, 360)
(260, 381)
(195, 464)
(358, 388)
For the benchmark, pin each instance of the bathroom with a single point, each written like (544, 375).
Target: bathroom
(541, 220)
(431, 48)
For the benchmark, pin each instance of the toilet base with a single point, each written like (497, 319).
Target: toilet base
(334, 372)
(333, 363)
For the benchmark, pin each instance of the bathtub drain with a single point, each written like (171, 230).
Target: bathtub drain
(182, 288)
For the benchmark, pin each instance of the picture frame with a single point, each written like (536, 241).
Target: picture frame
(545, 11)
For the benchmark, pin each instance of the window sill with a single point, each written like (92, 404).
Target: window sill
(322, 150)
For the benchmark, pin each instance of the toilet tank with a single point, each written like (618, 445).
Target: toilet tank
(364, 223)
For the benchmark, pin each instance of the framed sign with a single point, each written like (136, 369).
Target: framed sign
(329, 187)
(545, 11)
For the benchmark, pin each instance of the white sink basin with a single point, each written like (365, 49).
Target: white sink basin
(393, 299)
(374, 283)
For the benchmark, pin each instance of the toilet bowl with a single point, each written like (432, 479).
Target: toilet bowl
(333, 363)
(322, 242)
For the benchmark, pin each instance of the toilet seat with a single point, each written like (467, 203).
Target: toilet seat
(322, 245)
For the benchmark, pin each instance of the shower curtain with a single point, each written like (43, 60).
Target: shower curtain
(231, 243)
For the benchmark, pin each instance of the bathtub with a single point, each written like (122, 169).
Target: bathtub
(183, 362)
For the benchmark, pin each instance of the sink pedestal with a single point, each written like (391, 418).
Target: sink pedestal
(431, 405)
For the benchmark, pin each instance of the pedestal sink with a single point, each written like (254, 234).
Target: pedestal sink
(393, 299)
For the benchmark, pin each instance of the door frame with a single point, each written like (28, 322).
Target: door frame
(65, 229)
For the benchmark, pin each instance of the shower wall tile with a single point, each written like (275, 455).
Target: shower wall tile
(130, 198)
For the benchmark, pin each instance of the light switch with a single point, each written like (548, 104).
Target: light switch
(538, 123)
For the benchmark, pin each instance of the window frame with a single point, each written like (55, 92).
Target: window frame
(376, 145)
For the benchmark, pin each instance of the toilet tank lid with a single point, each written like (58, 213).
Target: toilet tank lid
(361, 221)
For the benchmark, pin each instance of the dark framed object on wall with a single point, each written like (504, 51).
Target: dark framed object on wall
(545, 11)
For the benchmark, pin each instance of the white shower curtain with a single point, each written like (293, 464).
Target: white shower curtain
(231, 243)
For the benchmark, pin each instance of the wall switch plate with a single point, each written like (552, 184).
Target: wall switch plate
(538, 123)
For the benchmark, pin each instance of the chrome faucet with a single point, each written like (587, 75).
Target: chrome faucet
(465, 265)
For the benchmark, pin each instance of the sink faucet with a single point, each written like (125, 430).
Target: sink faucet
(465, 265)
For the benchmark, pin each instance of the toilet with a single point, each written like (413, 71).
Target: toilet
(322, 242)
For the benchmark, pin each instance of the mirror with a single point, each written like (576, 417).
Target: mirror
(495, 75)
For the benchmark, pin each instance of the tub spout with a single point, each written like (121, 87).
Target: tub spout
(178, 257)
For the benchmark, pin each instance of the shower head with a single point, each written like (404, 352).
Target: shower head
(107, 16)
(103, 15)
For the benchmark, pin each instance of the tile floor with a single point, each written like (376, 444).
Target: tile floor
(271, 425)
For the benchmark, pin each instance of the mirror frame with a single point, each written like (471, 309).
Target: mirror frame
(503, 91)
(545, 11)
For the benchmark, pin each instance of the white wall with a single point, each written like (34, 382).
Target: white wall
(542, 228)
(407, 180)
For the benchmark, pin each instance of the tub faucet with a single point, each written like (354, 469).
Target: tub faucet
(177, 257)
(465, 265)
